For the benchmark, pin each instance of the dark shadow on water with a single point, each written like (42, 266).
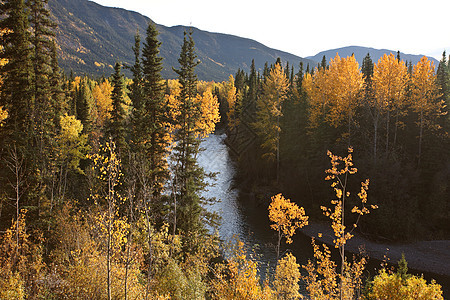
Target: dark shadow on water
(248, 220)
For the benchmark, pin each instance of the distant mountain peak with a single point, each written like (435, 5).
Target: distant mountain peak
(360, 52)
(92, 38)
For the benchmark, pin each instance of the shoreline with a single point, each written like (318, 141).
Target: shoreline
(426, 256)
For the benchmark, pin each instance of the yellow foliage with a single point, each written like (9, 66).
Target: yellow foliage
(323, 281)
(333, 92)
(209, 107)
(287, 276)
(208, 103)
(237, 278)
(425, 92)
(21, 264)
(231, 97)
(286, 216)
(102, 98)
(345, 82)
(390, 77)
(80, 259)
(3, 115)
(72, 145)
(269, 111)
(392, 287)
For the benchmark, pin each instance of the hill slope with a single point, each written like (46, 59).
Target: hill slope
(92, 38)
(361, 52)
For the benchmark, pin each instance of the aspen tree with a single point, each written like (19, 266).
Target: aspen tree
(268, 114)
(390, 77)
(425, 98)
(287, 218)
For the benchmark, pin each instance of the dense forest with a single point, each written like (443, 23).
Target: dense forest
(392, 113)
(101, 192)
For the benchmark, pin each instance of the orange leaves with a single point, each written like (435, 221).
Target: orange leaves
(425, 90)
(287, 216)
(3, 115)
(345, 81)
(102, 98)
(390, 77)
(207, 102)
(209, 107)
(334, 92)
(341, 167)
(269, 111)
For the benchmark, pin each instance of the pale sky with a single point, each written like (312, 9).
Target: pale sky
(305, 28)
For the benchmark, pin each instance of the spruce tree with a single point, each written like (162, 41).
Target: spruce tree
(136, 96)
(189, 176)
(116, 126)
(16, 98)
(154, 128)
(16, 93)
(442, 77)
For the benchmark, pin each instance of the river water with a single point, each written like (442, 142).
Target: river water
(247, 220)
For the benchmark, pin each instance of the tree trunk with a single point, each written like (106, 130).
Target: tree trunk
(420, 137)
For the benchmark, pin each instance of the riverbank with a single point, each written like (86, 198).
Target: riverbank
(426, 256)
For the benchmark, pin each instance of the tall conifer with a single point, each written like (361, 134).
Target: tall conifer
(189, 175)
(116, 126)
(153, 130)
(16, 94)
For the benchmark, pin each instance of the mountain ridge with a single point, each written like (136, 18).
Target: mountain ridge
(93, 37)
(360, 52)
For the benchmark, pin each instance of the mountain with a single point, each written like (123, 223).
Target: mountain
(361, 52)
(92, 38)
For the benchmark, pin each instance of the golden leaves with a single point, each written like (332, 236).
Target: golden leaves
(390, 77)
(3, 115)
(334, 92)
(287, 216)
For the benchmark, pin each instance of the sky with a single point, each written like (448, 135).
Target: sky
(305, 28)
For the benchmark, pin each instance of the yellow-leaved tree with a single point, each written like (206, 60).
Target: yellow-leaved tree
(287, 276)
(390, 77)
(231, 97)
(323, 281)
(209, 107)
(269, 112)
(345, 82)
(237, 278)
(102, 98)
(425, 98)
(287, 218)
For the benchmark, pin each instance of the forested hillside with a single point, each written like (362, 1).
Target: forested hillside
(392, 113)
(101, 192)
(92, 38)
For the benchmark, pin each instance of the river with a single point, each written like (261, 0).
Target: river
(247, 220)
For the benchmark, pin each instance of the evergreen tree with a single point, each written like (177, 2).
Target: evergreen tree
(153, 129)
(323, 63)
(189, 176)
(442, 77)
(16, 93)
(42, 40)
(136, 95)
(116, 126)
